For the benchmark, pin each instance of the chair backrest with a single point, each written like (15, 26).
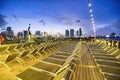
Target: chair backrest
(11, 57)
(12, 47)
(27, 44)
(35, 51)
(24, 53)
(3, 48)
(19, 46)
(118, 44)
(42, 48)
(61, 74)
(68, 75)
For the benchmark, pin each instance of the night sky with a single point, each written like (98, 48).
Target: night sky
(58, 15)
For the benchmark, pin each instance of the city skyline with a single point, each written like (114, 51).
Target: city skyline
(58, 15)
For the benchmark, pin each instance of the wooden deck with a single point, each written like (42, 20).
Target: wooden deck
(87, 69)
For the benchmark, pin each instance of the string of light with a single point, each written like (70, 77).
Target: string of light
(92, 18)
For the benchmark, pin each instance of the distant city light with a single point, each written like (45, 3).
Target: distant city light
(89, 5)
(91, 10)
(107, 35)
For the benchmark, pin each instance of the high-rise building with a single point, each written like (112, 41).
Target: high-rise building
(67, 33)
(38, 33)
(9, 33)
(25, 32)
(20, 34)
(71, 32)
(80, 32)
(8, 29)
(77, 33)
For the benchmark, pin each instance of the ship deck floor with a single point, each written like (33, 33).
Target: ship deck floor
(87, 68)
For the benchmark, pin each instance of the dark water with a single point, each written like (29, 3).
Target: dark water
(117, 39)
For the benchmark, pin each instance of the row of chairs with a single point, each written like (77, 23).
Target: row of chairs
(70, 75)
(59, 66)
(19, 52)
(112, 43)
(107, 58)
